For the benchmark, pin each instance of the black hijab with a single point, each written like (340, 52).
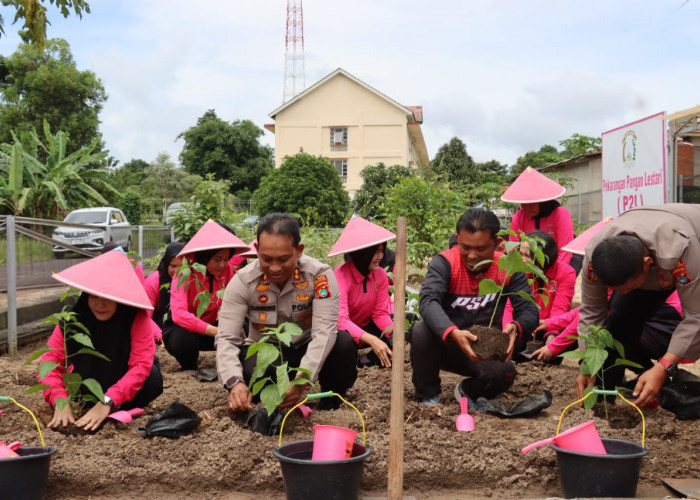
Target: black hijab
(171, 251)
(546, 208)
(111, 338)
(362, 259)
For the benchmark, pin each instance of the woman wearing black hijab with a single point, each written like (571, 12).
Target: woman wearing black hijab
(113, 309)
(157, 283)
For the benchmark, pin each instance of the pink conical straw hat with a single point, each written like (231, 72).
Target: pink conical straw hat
(360, 233)
(109, 276)
(578, 244)
(252, 252)
(533, 187)
(211, 236)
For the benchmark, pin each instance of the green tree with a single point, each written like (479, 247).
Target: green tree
(48, 86)
(431, 214)
(536, 159)
(578, 144)
(131, 205)
(307, 186)
(53, 182)
(206, 203)
(230, 151)
(131, 174)
(491, 171)
(452, 163)
(34, 14)
(166, 182)
(377, 180)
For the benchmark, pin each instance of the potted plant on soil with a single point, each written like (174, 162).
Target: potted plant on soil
(492, 344)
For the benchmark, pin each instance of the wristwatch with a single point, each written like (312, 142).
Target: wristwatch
(109, 401)
(671, 368)
(231, 383)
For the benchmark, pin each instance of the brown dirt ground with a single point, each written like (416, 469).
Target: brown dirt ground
(223, 460)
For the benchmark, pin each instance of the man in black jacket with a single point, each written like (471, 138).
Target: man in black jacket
(450, 304)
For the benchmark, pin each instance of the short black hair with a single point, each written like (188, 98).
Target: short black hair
(479, 219)
(549, 246)
(280, 223)
(618, 259)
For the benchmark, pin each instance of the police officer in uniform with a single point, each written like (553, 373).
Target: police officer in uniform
(284, 285)
(645, 254)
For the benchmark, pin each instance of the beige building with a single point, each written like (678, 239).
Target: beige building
(351, 124)
(584, 199)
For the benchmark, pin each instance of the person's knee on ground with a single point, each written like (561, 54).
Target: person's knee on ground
(425, 362)
(495, 378)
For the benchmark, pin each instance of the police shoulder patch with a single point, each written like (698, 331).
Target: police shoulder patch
(680, 274)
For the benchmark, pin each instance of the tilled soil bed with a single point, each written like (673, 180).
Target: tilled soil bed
(221, 459)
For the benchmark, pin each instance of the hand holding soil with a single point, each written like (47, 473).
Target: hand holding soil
(464, 339)
(240, 398)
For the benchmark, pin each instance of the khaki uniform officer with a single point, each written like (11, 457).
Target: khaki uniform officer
(645, 254)
(284, 286)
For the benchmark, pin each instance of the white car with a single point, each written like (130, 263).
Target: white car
(115, 228)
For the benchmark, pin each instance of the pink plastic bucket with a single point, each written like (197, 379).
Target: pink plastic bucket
(583, 438)
(332, 443)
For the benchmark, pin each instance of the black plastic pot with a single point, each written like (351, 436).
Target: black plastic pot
(590, 475)
(305, 479)
(25, 477)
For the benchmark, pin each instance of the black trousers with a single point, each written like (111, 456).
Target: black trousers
(429, 355)
(152, 388)
(338, 373)
(643, 323)
(185, 345)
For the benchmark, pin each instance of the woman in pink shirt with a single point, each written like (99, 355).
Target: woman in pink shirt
(539, 210)
(157, 284)
(195, 300)
(364, 288)
(554, 297)
(113, 308)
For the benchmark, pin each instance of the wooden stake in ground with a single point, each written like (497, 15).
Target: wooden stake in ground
(395, 485)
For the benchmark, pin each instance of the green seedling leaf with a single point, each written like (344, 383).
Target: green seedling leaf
(204, 299)
(257, 386)
(284, 337)
(252, 349)
(94, 387)
(619, 348)
(292, 328)
(38, 353)
(526, 296)
(45, 368)
(72, 381)
(61, 403)
(282, 379)
(572, 354)
(37, 388)
(511, 245)
(483, 263)
(627, 362)
(270, 398)
(590, 402)
(487, 286)
(85, 350)
(83, 339)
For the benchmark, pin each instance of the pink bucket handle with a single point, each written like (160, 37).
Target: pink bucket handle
(537, 444)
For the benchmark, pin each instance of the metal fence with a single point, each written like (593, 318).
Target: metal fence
(688, 189)
(585, 208)
(27, 257)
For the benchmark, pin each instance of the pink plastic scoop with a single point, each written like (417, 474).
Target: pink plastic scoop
(583, 438)
(126, 416)
(465, 422)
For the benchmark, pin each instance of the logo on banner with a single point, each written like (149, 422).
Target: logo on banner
(629, 148)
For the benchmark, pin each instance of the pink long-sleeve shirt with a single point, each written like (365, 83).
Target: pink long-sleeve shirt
(183, 301)
(139, 367)
(152, 286)
(559, 292)
(358, 307)
(567, 325)
(558, 224)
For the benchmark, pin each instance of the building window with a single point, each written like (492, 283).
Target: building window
(339, 139)
(341, 166)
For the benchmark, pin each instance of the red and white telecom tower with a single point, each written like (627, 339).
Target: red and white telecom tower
(294, 51)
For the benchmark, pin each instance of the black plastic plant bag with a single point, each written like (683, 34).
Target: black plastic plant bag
(505, 409)
(681, 395)
(259, 421)
(175, 421)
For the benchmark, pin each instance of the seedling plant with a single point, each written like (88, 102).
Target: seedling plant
(512, 261)
(73, 381)
(593, 356)
(268, 350)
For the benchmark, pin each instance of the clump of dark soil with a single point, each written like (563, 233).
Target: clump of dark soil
(492, 343)
(221, 459)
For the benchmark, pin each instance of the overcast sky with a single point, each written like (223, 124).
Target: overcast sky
(505, 76)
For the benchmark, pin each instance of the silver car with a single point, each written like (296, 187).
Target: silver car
(113, 227)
